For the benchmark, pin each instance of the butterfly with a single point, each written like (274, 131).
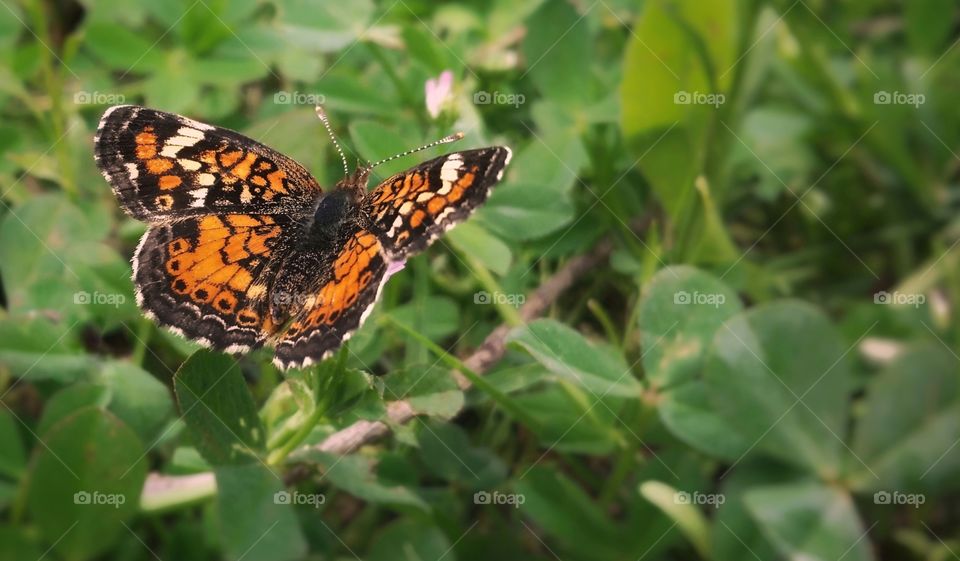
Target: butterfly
(245, 249)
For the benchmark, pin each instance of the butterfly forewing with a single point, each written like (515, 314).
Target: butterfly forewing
(164, 166)
(411, 209)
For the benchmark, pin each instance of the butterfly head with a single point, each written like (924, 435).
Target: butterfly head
(355, 183)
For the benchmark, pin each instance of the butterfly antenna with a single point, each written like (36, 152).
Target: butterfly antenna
(326, 124)
(445, 140)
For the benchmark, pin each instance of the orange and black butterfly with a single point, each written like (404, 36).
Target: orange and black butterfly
(244, 246)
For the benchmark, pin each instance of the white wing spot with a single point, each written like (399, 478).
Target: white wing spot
(199, 197)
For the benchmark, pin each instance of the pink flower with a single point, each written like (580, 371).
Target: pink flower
(394, 267)
(438, 91)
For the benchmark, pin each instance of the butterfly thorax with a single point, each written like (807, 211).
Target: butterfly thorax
(335, 211)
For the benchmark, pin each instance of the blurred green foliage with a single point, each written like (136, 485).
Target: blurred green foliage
(767, 368)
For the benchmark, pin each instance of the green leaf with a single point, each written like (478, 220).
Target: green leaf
(446, 452)
(142, 401)
(70, 399)
(736, 536)
(430, 391)
(563, 510)
(910, 422)
(686, 515)
(523, 211)
(565, 424)
(257, 523)
(514, 378)
(777, 152)
(85, 482)
(435, 316)
(14, 457)
(357, 475)
(687, 412)
(283, 132)
(325, 28)
(410, 539)
(48, 247)
(681, 310)
(927, 29)
(11, 26)
(121, 48)
(558, 46)
(37, 349)
(473, 239)
(374, 140)
(678, 48)
(534, 200)
(810, 521)
(570, 357)
(19, 544)
(218, 409)
(761, 362)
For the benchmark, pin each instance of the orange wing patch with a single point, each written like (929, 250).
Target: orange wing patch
(163, 167)
(217, 268)
(338, 307)
(411, 209)
(353, 273)
(258, 177)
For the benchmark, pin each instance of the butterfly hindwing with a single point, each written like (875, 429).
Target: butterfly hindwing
(411, 209)
(209, 277)
(338, 305)
(164, 166)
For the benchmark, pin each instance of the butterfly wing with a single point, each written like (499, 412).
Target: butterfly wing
(411, 209)
(208, 278)
(338, 305)
(164, 166)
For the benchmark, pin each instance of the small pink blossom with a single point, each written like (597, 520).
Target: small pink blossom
(438, 91)
(394, 267)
